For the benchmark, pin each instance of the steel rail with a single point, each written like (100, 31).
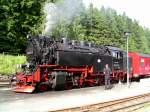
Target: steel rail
(105, 106)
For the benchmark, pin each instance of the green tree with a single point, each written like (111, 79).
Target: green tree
(18, 19)
(105, 27)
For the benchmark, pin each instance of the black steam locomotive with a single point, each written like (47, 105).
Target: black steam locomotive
(45, 50)
(61, 64)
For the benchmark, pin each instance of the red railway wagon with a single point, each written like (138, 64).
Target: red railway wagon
(140, 65)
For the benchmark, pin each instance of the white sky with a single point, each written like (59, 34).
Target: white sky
(135, 9)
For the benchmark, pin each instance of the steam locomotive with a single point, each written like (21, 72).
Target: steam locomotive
(45, 50)
(65, 64)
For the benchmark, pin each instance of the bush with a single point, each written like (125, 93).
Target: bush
(8, 63)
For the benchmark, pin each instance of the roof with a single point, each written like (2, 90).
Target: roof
(114, 48)
(144, 55)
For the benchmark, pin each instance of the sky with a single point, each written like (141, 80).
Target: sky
(135, 9)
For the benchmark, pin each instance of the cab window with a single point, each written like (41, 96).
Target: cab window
(117, 54)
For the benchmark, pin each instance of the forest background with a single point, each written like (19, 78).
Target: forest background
(104, 26)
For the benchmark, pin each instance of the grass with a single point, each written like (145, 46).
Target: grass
(8, 63)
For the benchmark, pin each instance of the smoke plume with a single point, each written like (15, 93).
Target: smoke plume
(68, 9)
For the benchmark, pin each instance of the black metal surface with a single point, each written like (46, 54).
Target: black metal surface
(45, 50)
(70, 58)
(40, 50)
(59, 80)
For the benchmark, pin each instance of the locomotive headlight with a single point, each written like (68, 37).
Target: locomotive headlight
(98, 60)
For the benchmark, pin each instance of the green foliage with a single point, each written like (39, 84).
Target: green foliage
(105, 27)
(18, 19)
(9, 63)
(22, 17)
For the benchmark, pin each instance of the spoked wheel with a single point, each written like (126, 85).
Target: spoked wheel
(42, 87)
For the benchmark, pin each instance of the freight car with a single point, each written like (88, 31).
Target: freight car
(65, 64)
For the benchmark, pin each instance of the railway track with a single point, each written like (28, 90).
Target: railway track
(130, 104)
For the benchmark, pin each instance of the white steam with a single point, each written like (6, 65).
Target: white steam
(50, 10)
(55, 12)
